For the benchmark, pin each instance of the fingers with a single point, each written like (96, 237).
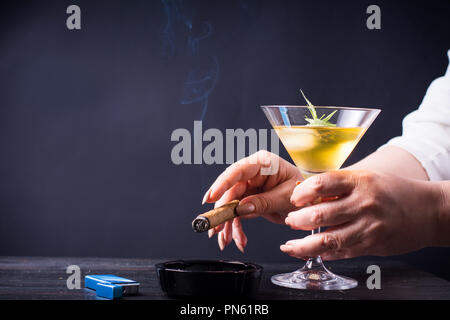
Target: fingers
(212, 232)
(224, 237)
(235, 192)
(230, 230)
(241, 171)
(239, 237)
(275, 200)
(309, 246)
(225, 231)
(325, 214)
(329, 184)
(332, 243)
(356, 251)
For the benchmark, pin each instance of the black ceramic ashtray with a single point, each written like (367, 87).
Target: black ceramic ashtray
(208, 278)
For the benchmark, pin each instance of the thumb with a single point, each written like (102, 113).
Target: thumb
(273, 201)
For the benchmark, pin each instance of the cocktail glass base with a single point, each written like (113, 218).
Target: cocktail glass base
(314, 276)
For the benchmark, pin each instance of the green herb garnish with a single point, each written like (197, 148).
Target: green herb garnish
(323, 121)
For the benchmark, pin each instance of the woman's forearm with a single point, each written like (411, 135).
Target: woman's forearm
(392, 160)
(444, 213)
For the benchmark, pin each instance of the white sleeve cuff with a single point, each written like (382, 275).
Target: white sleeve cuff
(432, 163)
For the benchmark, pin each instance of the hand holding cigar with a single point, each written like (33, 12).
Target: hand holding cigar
(215, 217)
(227, 212)
(260, 195)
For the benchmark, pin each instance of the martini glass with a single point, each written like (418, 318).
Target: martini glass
(315, 150)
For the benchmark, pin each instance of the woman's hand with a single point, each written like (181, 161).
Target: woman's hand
(262, 195)
(375, 214)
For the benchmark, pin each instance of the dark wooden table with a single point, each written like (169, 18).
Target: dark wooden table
(45, 278)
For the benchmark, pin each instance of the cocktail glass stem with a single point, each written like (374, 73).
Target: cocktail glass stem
(314, 262)
(314, 275)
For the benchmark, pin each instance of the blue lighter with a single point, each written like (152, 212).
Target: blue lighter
(111, 286)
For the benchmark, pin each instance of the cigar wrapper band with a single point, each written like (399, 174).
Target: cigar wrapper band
(215, 217)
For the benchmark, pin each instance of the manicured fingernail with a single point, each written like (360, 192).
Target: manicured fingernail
(287, 220)
(206, 196)
(297, 183)
(210, 233)
(240, 246)
(285, 247)
(292, 201)
(221, 241)
(245, 208)
(227, 238)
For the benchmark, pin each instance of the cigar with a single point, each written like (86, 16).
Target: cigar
(215, 217)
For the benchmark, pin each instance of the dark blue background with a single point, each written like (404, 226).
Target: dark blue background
(86, 116)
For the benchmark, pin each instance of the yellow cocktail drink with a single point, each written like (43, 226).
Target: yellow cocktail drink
(319, 149)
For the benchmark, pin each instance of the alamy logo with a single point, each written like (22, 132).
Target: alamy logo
(74, 280)
(374, 280)
(374, 20)
(190, 149)
(73, 21)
